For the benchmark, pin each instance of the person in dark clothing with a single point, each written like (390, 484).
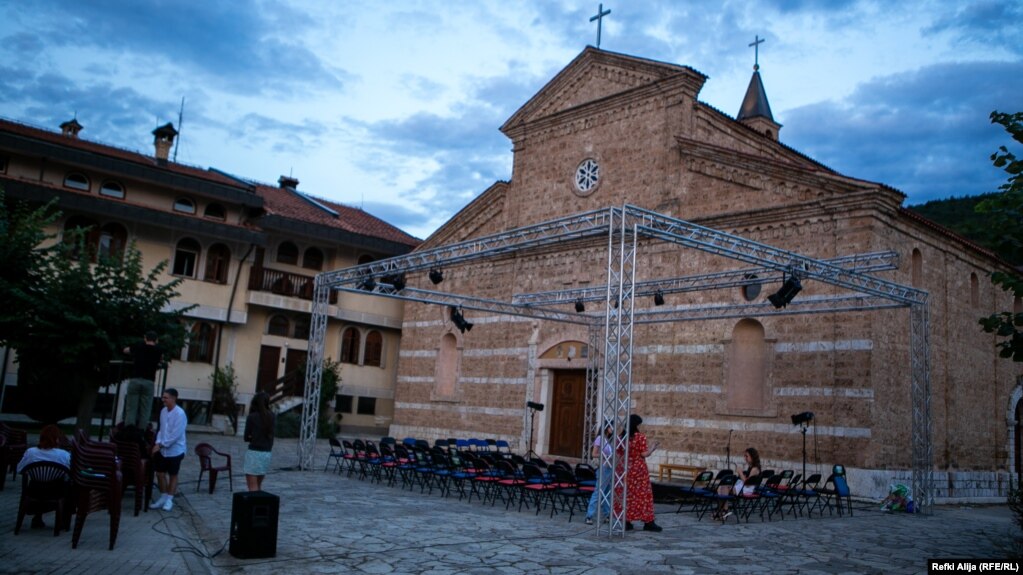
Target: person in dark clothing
(259, 432)
(138, 399)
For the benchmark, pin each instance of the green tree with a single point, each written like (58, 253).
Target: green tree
(21, 260)
(1006, 207)
(77, 316)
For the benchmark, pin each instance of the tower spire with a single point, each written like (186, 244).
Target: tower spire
(755, 110)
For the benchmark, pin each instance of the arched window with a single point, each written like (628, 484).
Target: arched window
(112, 190)
(301, 328)
(76, 181)
(186, 257)
(184, 205)
(218, 260)
(278, 325)
(747, 368)
(350, 345)
(365, 259)
(215, 211)
(446, 371)
(112, 239)
(312, 259)
(287, 253)
(201, 339)
(374, 353)
(974, 289)
(89, 231)
(918, 268)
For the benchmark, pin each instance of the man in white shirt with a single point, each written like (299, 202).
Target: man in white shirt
(169, 449)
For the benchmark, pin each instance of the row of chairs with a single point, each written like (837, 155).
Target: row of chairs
(485, 474)
(783, 493)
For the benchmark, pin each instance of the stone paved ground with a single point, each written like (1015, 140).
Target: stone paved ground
(333, 524)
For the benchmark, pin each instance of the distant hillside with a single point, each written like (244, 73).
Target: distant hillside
(958, 215)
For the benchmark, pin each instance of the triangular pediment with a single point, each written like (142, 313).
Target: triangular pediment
(597, 75)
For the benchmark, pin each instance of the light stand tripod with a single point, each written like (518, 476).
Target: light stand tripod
(803, 427)
(728, 451)
(533, 408)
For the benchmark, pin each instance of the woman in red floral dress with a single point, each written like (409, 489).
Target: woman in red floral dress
(641, 494)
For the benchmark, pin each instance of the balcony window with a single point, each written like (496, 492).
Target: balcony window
(112, 190)
(312, 259)
(112, 239)
(367, 406)
(374, 349)
(76, 181)
(218, 260)
(278, 325)
(287, 253)
(350, 345)
(201, 340)
(184, 205)
(186, 256)
(215, 212)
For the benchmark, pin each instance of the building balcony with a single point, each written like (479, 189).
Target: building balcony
(284, 283)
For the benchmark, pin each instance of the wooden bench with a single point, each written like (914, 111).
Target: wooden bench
(683, 471)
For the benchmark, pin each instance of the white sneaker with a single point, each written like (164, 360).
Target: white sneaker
(159, 501)
(169, 504)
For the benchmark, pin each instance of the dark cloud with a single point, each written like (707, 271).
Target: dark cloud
(243, 47)
(111, 114)
(926, 133)
(991, 23)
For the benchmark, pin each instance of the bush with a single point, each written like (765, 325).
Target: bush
(225, 398)
(288, 424)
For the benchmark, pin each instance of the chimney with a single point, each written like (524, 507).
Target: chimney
(163, 140)
(71, 128)
(288, 182)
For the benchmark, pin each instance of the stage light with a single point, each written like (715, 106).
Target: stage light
(534, 406)
(368, 284)
(784, 295)
(800, 418)
(397, 281)
(459, 320)
(579, 307)
(658, 297)
(436, 275)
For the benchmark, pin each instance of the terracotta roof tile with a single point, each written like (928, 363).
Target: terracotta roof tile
(296, 205)
(113, 151)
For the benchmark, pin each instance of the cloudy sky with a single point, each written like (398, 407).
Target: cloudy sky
(395, 106)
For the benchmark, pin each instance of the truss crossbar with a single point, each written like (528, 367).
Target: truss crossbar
(797, 307)
(314, 376)
(577, 227)
(476, 303)
(861, 263)
(735, 247)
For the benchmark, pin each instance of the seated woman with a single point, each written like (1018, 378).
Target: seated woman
(753, 469)
(48, 450)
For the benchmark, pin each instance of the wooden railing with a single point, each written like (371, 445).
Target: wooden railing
(290, 385)
(284, 283)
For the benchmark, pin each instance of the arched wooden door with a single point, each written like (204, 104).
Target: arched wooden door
(567, 409)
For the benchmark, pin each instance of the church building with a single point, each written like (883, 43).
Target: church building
(612, 130)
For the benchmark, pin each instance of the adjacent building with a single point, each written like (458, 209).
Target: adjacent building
(247, 253)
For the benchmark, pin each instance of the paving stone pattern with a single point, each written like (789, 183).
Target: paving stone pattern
(333, 524)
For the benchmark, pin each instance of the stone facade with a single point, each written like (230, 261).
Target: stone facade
(700, 384)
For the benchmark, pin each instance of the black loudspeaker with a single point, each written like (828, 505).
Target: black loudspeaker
(254, 524)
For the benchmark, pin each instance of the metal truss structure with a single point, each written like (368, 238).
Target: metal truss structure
(623, 231)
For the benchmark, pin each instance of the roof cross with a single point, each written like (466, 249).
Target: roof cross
(755, 44)
(600, 20)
